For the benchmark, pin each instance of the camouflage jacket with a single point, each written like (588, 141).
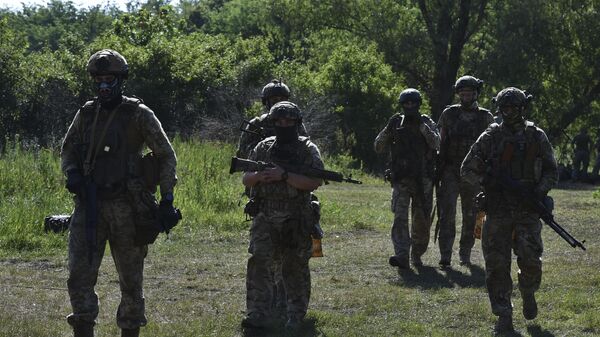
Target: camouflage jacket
(409, 155)
(530, 160)
(459, 128)
(249, 140)
(133, 127)
(303, 153)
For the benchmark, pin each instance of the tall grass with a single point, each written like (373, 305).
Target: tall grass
(32, 187)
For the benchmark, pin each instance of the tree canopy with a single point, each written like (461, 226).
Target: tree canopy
(200, 64)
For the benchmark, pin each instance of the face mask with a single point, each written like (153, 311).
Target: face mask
(109, 91)
(287, 134)
(411, 112)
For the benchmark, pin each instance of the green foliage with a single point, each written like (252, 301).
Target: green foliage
(32, 187)
(201, 64)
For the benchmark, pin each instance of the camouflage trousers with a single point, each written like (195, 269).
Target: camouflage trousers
(273, 237)
(404, 194)
(581, 161)
(115, 226)
(596, 168)
(451, 187)
(502, 231)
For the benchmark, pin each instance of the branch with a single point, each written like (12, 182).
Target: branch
(478, 21)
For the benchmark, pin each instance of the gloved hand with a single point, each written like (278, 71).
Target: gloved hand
(169, 216)
(74, 181)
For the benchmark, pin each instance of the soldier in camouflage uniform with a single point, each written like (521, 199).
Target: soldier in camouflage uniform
(597, 163)
(581, 159)
(284, 221)
(103, 148)
(272, 93)
(514, 162)
(459, 125)
(412, 139)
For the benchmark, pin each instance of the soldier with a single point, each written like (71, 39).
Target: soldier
(413, 140)
(272, 93)
(284, 220)
(101, 157)
(514, 162)
(597, 164)
(581, 158)
(460, 125)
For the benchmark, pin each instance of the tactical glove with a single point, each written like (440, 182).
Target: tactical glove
(169, 216)
(74, 181)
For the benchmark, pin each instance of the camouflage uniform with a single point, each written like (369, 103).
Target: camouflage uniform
(115, 172)
(525, 156)
(597, 164)
(459, 128)
(412, 148)
(282, 227)
(247, 143)
(581, 159)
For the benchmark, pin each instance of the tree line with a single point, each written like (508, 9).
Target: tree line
(200, 64)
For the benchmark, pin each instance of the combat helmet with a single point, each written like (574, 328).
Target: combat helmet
(468, 81)
(108, 61)
(512, 96)
(274, 88)
(285, 109)
(410, 95)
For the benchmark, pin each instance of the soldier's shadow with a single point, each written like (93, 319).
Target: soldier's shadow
(307, 329)
(426, 277)
(476, 278)
(537, 331)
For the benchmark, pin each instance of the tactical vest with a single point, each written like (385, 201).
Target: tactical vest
(520, 155)
(280, 194)
(461, 134)
(411, 156)
(116, 158)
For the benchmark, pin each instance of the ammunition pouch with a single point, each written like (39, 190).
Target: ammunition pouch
(150, 171)
(145, 208)
(252, 208)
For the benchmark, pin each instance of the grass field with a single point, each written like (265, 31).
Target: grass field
(195, 279)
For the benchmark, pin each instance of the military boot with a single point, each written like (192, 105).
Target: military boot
(293, 323)
(465, 257)
(83, 330)
(529, 305)
(130, 332)
(444, 262)
(416, 261)
(504, 325)
(254, 321)
(399, 261)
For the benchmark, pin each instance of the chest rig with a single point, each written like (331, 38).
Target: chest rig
(519, 155)
(280, 195)
(463, 131)
(411, 156)
(109, 145)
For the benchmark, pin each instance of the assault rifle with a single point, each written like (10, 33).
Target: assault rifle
(542, 207)
(251, 128)
(246, 165)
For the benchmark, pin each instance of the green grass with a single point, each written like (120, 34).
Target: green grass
(195, 280)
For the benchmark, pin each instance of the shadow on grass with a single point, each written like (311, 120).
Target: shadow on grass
(427, 277)
(537, 331)
(307, 329)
